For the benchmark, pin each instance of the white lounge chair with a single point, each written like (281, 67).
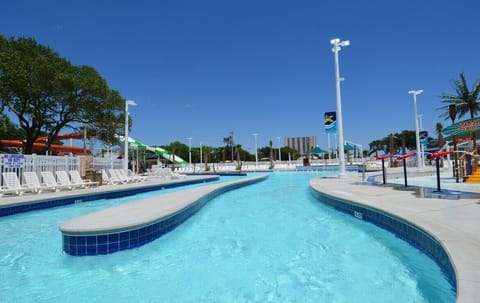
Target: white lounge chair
(76, 179)
(106, 179)
(50, 180)
(11, 184)
(134, 176)
(122, 174)
(168, 173)
(31, 180)
(64, 179)
(116, 177)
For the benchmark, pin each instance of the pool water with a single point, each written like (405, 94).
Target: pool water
(268, 242)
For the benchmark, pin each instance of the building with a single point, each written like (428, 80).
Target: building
(302, 144)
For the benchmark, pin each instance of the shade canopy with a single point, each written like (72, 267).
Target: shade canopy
(349, 147)
(318, 150)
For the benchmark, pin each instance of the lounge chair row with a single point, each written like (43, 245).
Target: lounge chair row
(164, 172)
(31, 182)
(120, 176)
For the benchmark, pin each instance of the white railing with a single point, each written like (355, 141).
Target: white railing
(19, 163)
(107, 163)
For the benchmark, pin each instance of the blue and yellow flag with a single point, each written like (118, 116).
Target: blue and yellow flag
(330, 121)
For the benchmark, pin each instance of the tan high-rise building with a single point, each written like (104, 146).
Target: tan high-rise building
(302, 144)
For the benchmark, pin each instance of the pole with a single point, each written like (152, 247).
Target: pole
(125, 147)
(279, 150)
(336, 48)
(201, 160)
(455, 159)
(329, 150)
(383, 171)
(125, 151)
(405, 171)
(417, 130)
(189, 150)
(256, 152)
(231, 143)
(437, 160)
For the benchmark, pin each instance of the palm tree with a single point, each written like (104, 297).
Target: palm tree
(440, 138)
(465, 101)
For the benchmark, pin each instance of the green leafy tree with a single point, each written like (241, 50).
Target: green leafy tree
(48, 94)
(394, 142)
(288, 152)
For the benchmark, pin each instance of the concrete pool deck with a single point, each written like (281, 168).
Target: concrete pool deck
(455, 223)
(151, 182)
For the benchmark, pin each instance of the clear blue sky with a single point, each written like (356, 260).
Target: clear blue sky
(201, 69)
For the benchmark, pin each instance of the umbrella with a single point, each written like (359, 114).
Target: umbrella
(318, 150)
(349, 147)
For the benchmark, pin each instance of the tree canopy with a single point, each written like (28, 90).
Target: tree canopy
(394, 142)
(466, 101)
(47, 94)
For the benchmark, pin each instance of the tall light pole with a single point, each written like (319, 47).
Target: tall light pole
(201, 147)
(231, 143)
(417, 130)
(422, 146)
(256, 150)
(341, 157)
(125, 152)
(279, 150)
(189, 150)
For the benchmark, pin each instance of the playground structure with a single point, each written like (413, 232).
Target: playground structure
(156, 150)
(41, 143)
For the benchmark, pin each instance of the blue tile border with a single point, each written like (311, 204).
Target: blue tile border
(86, 196)
(105, 243)
(398, 226)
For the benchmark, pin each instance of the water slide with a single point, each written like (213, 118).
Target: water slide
(39, 144)
(157, 150)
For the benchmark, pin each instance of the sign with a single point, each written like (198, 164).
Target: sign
(463, 127)
(13, 161)
(330, 121)
(423, 137)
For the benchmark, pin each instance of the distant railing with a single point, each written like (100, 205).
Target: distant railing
(106, 163)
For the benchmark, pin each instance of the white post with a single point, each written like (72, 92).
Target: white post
(279, 150)
(341, 158)
(417, 130)
(256, 153)
(201, 160)
(329, 150)
(190, 151)
(125, 152)
(422, 146)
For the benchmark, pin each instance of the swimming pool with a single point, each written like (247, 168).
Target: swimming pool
(268, 242)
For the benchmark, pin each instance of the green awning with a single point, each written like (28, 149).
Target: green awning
(318, 150)
(349, 147)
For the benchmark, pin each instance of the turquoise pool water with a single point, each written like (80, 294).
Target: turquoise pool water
(268, 242)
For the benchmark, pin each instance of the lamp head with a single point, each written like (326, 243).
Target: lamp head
(416, 92)
(335, 41)
(345, 43)
(131, 102)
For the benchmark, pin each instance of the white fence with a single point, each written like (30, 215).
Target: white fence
(19, 163)
(106, 163)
